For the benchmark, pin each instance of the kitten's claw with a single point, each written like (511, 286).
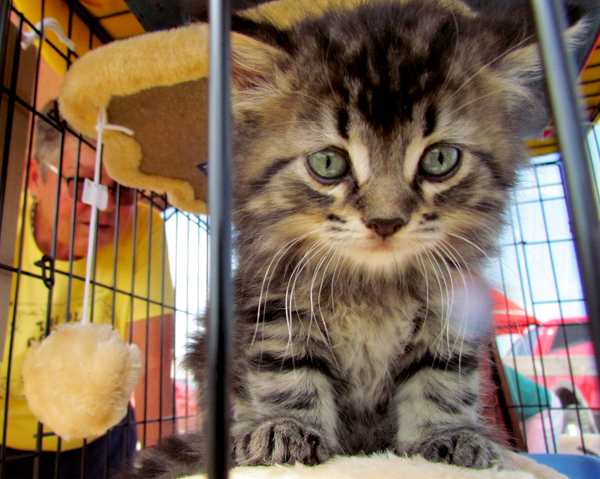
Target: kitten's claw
(460, 447)
(282, 441)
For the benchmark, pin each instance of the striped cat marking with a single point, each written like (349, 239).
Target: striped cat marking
(375, 146)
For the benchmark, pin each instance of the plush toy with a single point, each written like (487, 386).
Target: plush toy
(156, 85)
(79, 379)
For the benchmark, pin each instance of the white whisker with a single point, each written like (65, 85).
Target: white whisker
(333, 278)
(312, 285)
(421, 262)
(290, 290)
(471, 243)
(327, 338)
(451, 299)
(276, 258)
(437, 274)
(462, 328)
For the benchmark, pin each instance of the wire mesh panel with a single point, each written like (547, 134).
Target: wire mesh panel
(149, 273)
(543, 335)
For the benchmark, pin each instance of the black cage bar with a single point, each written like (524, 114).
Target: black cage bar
(581, 192)
(220, 320)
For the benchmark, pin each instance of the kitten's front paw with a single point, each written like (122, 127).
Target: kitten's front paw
(281, 441)
(460, 447)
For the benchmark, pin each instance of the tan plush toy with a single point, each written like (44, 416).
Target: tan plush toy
(79, 379)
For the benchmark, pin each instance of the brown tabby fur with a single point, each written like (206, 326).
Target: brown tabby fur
(359, 310)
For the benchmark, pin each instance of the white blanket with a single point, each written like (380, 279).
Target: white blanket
(389, 466)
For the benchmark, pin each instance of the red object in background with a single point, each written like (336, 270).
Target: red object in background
(564, 353)
(509, 317)
(557, 354)
(186, 408)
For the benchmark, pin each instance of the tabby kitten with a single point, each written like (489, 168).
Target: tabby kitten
(375, 147)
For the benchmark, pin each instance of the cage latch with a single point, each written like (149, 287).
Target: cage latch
(47, 265)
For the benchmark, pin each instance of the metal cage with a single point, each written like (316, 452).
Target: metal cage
(546, 306)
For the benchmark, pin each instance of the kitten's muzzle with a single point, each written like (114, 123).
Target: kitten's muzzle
(385, 227)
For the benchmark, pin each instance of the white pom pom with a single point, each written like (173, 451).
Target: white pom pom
(79, 379)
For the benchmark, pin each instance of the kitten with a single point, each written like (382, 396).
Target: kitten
(375, 146)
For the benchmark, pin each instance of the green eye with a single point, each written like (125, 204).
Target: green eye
(439, 161)
(328, 164)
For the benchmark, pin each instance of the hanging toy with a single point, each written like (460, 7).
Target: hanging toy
(79, 379)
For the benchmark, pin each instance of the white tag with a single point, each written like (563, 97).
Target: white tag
(95, 195)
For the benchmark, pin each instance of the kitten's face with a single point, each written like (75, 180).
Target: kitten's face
(381, 140)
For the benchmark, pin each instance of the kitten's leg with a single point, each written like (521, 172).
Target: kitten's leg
(289, 413)
(437, 413)
(175, 456)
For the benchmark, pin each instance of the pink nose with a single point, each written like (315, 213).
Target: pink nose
(385, 227)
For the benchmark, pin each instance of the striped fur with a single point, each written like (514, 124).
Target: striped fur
(359, 315)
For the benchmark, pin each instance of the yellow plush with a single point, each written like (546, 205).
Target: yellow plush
(79, 379)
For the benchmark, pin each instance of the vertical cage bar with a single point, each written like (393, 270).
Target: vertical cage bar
(4, 27)
(220, 187)
(10, 109)
(582, 197)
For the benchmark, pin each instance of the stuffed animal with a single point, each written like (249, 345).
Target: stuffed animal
(79, 379)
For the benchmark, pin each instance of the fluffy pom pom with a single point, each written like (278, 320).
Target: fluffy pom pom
(79, 379)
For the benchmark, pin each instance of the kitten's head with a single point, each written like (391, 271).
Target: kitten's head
(382, 133)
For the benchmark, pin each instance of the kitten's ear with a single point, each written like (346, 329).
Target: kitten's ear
(253, 61)
(523, 72)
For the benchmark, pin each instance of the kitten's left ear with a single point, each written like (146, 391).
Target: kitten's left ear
(523, 73)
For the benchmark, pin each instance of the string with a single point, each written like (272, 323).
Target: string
(27, 38)
(101, 125)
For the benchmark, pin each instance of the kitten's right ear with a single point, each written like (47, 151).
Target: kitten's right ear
(252, 62)
(256, 49)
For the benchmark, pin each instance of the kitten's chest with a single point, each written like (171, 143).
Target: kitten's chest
(370, 343)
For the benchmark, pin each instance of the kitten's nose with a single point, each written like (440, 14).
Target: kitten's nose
(385, 227)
